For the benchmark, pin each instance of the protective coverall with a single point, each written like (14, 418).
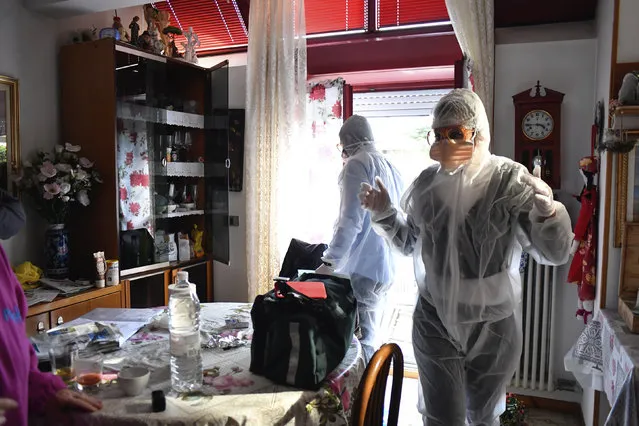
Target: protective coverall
(355, 250)
(466, 223)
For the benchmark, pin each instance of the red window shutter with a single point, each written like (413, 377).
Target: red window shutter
(347, 101)
(327, 16)
(217, 23)
(393, 13)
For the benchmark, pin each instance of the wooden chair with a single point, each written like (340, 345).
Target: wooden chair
(368, 408)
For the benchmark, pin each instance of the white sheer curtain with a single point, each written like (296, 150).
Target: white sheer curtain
(316, 164)
(275, 109)
(474, 25)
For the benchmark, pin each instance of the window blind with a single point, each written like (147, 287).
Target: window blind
(397, 103)
(395, 13)
(327, 16)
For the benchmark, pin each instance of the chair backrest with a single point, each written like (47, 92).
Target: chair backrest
(368, 409)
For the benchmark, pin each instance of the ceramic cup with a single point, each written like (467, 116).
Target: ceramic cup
(133, 380)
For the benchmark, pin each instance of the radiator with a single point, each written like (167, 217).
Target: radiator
(536, 367)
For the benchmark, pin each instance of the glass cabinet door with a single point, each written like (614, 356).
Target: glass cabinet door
(140, 93)
(217, 161)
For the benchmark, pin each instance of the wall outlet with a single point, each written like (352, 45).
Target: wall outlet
(234, 220)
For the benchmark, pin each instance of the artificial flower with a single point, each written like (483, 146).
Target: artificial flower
(83, 198)
(72, 148)
(48, 169)
(65, 187)
(52, 188)
(84, 162)
(63, 167)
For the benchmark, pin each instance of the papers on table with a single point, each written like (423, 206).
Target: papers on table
(65, 287)
(39, 295)
(106, 329)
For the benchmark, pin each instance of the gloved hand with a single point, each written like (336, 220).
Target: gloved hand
(543, 194)
(375, 200)
(574, 247)
(325, 270)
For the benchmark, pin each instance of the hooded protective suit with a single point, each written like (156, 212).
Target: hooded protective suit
(356, 250)
(466, 227)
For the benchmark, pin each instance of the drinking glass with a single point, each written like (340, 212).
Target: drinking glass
(62, 358)
(88, 371)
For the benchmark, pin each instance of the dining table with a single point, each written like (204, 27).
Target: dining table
(230, 393)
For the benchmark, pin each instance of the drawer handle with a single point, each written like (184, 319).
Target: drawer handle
(40, 327)
(60, 320)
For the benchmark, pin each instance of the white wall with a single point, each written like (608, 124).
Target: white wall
(568, 67)
(628, 30)
(28, 53)
(65, 27)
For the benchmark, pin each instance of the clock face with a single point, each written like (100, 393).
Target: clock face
(537, 124)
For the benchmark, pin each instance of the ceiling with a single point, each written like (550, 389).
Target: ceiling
(515, 13)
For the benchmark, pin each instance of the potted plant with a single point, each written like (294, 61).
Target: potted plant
(54, 183)
(515, 414)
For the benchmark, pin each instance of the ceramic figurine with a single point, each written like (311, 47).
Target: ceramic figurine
(197, 235)
(117, 25)
(192, 43)
(135, 30)
(145, 42)
(171, 50)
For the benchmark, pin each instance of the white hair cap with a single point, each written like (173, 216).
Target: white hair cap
(355, 131)
(462, 107)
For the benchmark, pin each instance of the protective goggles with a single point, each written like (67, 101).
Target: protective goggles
(455, 134)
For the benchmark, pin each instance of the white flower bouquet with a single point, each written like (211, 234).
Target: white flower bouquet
(55, 181)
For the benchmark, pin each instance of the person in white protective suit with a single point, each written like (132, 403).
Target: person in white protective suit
(355, 249)
(466, 222)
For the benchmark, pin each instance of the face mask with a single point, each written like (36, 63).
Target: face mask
(452, 147)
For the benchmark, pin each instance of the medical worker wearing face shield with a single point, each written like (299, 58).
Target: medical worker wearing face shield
(467, 220)
(356, 250)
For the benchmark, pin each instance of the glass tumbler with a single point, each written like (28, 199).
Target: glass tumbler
(88, 372)
(62, 358)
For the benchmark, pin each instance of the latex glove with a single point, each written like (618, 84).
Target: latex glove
(375, 200)
(574, 247)
(325, 270)
(6, 404)
(543, 194)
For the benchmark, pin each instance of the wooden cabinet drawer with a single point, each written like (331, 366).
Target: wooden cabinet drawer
(68, 313)
(112, 300)
(37, 324)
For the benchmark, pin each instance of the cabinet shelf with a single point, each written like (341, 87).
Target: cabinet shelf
(180, 214)
(129, 111)
(181, 169)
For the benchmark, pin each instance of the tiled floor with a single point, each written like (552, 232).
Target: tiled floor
(408, 415)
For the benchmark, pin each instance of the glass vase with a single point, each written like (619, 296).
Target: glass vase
(57, 251)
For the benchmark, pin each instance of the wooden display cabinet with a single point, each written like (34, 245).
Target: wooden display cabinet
(158, 130)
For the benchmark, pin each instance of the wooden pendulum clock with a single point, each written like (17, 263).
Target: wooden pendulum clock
(538, 132)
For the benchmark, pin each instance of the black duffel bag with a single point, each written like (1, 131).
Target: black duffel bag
(297, 340)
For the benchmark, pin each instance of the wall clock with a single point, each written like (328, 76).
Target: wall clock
(538, 131)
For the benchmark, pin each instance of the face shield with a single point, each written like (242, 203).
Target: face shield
(452, 147)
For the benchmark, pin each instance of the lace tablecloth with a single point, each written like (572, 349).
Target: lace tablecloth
(608, 355)
(231, 394)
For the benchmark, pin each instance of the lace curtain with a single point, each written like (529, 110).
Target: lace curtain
(474, 25)
(275, 108)
(313, 190)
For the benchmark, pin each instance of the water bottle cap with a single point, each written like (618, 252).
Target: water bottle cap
(183, 276)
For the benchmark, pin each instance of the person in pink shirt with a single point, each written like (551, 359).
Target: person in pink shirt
(24, 390)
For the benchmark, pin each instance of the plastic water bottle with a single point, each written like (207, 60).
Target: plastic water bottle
(184, 329)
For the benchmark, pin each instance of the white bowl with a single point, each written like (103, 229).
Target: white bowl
(133, 380)
(171, 208)
(189, 206)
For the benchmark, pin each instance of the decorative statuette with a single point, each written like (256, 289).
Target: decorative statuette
(101, 267)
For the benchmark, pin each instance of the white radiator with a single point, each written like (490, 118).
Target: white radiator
(536, 367)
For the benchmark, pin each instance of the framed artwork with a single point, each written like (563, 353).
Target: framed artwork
(236, 149)
(9, 132)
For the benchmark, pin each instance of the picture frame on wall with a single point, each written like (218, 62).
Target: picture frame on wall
(236, 149)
